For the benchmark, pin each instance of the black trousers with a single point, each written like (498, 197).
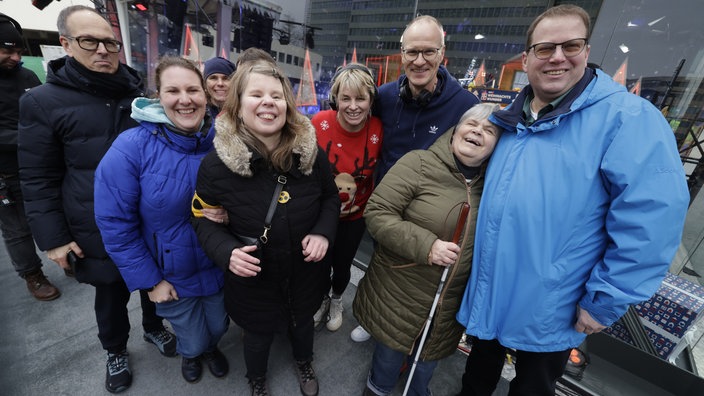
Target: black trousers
(349, 235)
(257, 345)
(536, 372)
(113, 319)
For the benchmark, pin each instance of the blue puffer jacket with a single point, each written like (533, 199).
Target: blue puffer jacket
(585, 207)
(143, 191)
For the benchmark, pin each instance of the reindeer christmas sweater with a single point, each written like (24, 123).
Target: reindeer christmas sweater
(353, 157)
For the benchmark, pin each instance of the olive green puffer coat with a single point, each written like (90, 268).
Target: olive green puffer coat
(417, 202)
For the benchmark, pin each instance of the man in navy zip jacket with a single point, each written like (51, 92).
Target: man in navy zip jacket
(425, 101)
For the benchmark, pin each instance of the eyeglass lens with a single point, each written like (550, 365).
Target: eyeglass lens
(91, 44)
(569, 48)
(428, 54)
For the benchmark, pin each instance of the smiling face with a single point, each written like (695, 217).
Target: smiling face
(422, 73)
(352, 108)
(474, 141)
(263, 108)
(182, 95)
(90, 24)
(218, 85)
(552, 77)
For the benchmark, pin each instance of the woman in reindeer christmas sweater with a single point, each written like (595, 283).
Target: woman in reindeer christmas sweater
(351, 138)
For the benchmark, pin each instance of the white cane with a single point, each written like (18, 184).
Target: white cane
(464, 211)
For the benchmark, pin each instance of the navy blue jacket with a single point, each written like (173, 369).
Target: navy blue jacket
(410, 126)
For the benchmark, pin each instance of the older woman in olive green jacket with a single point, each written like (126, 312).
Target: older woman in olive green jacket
(412, 215)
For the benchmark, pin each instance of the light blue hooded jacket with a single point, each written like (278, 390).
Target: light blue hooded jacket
(584, 207)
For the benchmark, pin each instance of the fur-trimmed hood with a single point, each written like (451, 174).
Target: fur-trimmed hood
(235, 154)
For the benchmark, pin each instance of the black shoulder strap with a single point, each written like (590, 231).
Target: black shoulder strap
(280, 182)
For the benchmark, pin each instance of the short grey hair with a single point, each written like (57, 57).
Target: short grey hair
(426, 19)
(68, 11)
(479, 112)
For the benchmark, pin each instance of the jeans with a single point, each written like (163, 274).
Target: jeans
(15, 231)
(199, 322)
(257, 345)
(386, 368)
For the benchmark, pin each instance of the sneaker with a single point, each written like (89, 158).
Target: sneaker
(217, 362)
(322, 313)
(118, 376)
(335, 314)
(259, 387)
(40, 287)
(359, 334)
(307, 378)
(164, 341)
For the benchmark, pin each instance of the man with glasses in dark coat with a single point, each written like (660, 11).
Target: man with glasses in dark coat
(65, 128)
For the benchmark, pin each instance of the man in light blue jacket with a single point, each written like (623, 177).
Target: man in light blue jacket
(582, 212)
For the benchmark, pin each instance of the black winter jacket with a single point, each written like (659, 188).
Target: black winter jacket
(13, 84)
(65, 128)
(235, 177)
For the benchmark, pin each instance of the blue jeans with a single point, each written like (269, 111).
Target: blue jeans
(199, 322)
(16, 233)
(386, 368)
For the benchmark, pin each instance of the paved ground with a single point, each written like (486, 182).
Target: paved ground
(52, 348)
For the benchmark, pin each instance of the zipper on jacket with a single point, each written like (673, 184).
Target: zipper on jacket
(159, 258)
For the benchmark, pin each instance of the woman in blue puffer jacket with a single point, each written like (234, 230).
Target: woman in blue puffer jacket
(143, 191)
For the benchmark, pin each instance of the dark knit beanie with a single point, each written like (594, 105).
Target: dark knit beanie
(218, 65)
(10, 33)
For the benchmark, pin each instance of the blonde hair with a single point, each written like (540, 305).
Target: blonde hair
(281, 158)
(355, 77)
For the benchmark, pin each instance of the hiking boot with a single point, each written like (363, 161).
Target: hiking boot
(217, 362)
(118, 376)
(191, 369)
(322, 314)
(164, 341)
(259, 387)
(359, 334)
(307, 378)
(40, 287)
(335, 314)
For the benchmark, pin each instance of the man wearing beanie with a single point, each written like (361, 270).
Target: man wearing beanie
(65, 128)
(15, 80)
(217, 72)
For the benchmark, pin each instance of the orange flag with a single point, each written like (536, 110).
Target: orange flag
(306, 90)
(621, 73)
(636, 87)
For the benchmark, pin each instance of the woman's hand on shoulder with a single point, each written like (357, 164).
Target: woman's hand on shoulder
(314, 247)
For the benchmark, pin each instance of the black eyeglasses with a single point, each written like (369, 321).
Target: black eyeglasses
(428, 54)
(570, 48)
(91, 44)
